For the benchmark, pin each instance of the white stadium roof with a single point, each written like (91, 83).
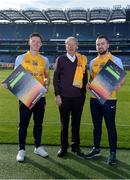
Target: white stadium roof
(65, 16)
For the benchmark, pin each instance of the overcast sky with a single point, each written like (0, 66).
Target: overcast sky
(62, 4)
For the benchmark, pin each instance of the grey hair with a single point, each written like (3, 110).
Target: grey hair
(71, 38)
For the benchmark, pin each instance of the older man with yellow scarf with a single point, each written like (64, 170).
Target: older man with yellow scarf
(70, 79)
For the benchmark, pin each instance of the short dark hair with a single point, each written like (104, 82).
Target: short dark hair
(35, 34)
(101, 36)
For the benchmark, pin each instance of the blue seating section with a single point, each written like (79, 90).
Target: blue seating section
(59, 32)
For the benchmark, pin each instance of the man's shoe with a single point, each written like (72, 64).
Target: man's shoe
(20, 155)
(40, 151)
(61, 152)
(93, 153)
(78, 152)
(112, 159)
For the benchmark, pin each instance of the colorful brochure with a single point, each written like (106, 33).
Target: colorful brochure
(106, 81)
(25, 87)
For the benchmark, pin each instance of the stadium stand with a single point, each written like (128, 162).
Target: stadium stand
(55, 25)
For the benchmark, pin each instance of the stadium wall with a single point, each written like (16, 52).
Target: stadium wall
(14, 39)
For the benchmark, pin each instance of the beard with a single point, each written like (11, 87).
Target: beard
(102, 53)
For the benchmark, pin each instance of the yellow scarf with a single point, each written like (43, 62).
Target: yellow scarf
(99, 62)
(80, 69)
(35, 65)
(97, 65)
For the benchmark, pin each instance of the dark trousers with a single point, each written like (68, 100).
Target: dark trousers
(108, 111)
(24, 118)
(71, 106)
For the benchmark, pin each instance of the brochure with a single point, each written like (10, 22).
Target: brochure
(25, 87)
(106, 81)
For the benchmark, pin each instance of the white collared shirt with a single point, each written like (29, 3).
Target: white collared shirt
(71, 58)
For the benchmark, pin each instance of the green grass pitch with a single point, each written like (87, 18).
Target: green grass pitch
(51, 126)
(70, 167)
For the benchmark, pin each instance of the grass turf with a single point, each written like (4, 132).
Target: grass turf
(51, 127)
(69, 167)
